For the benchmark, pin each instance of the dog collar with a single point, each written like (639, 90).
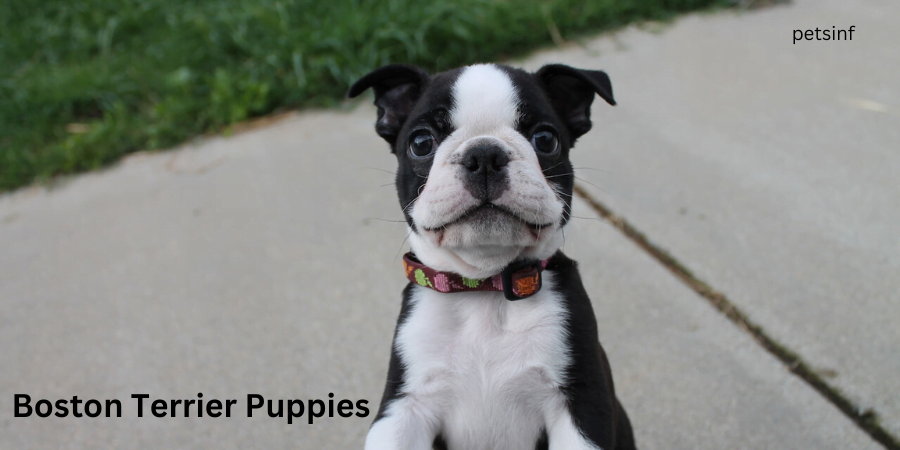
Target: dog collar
(519, 280)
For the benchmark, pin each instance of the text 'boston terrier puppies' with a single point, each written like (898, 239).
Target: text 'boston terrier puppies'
(496, 345)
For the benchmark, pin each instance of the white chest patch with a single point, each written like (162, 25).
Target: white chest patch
(484, 369)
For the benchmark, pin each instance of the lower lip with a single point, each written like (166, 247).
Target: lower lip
(491, 209)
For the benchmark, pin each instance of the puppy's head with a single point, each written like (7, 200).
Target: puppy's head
(484, 176)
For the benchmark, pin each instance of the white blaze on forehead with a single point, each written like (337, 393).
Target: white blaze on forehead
(484, 99)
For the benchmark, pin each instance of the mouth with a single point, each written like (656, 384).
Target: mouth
(487, 212)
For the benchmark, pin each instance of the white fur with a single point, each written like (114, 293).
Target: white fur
(483, 372)
(484, 100)
(485, 109)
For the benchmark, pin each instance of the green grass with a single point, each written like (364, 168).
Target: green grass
(84, 82)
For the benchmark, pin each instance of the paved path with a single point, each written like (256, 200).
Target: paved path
(258, 264)
(771, 170)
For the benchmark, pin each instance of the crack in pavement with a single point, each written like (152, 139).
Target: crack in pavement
(867, 419)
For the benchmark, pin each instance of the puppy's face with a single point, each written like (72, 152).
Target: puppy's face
(484, 176)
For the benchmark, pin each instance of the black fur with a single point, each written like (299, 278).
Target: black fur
(572, 91)
(543, 442)
(397, 88)
(396, 368)
(590, 392)
(537, 112)
(426, 104)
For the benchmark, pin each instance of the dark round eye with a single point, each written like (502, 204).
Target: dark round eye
(421, 144)
(545, 142)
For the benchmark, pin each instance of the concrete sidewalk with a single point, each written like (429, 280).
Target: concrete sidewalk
(260, 263)
(773, 175)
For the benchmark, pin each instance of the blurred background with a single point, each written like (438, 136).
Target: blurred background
(188, 204)
(85, 82)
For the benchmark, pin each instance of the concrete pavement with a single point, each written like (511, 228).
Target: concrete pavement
(266, 262)
(771, 170)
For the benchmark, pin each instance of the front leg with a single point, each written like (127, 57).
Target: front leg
(564, 434)
(404, 425)
(402, 422)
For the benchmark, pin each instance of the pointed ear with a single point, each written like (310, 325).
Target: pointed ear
(571, 93)
(397, 88)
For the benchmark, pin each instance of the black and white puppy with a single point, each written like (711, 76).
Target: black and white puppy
(485, 184)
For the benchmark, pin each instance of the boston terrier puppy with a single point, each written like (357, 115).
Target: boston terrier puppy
(496, 346)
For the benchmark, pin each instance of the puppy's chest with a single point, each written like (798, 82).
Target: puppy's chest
(485, 366)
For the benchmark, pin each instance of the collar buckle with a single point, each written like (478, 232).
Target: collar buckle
(522, 279)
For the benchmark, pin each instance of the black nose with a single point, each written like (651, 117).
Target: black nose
(485, 158)
(485, 171)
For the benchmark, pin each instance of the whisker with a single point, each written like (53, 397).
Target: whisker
(591, 168)
(385, 220)
(592, 184)
(408, 234)
(379, 169)
(551, 167)
(599, 219)
(411, 201)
